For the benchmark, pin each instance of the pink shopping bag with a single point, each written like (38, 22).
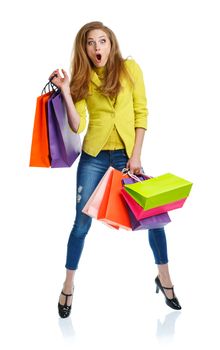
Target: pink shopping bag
(93, 204)
(140, 213)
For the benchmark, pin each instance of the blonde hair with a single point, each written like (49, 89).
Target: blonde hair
(81, 66)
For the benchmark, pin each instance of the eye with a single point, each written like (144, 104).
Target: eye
(103, 41)
(90, 43)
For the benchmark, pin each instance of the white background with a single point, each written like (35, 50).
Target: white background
(115, 306)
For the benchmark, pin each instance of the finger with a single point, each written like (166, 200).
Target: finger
(64, 72)
(55, 74)
(137, 170)
(54, 77)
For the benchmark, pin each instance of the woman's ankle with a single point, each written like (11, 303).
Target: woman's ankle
(68, 287)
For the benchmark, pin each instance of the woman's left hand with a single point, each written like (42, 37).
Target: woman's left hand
(134, 164)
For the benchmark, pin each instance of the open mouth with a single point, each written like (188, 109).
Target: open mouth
(98, 57)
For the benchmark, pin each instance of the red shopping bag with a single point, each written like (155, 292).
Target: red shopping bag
(40, 154)
(113, 209)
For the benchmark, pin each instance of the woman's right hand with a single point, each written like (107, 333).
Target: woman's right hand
(61, 83)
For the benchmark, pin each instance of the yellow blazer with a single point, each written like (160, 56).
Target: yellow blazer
(127, 113)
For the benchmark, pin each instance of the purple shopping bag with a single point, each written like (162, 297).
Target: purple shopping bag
(155, 221)
(65, 145)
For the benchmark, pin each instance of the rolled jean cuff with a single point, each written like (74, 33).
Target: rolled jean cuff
(160, 262)
(71, 267)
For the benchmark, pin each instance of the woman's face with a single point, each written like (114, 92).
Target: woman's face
(98, 47)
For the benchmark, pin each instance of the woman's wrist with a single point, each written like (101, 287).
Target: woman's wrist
(65, 91)
(136, 155)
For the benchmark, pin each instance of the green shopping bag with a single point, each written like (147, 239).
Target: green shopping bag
(158, 191)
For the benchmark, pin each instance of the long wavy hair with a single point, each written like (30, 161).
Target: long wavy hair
(81, 65)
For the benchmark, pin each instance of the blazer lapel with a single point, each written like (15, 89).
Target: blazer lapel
(95, 80)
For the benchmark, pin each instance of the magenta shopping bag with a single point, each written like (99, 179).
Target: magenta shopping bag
(140, 213)
(65, 145)
(155, 221)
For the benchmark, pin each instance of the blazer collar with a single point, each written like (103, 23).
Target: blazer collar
(95, 79)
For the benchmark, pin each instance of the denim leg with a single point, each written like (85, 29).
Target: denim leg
(89, 173)
(158, 243)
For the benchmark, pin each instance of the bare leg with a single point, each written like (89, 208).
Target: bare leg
(164, 277)
(68, 287)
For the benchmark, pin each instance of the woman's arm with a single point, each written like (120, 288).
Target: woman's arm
(141, 112)
(72, 114)
(63, 85)
(134, 163)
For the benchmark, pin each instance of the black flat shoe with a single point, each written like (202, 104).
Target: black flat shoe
(64, 310)
(173, 303)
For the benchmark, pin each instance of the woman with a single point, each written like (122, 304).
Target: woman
(112, 91)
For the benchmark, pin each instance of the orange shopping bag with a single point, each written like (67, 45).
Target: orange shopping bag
(113, 210)
(40, 154)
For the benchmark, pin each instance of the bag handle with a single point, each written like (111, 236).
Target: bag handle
(51, 86)
(126, 171)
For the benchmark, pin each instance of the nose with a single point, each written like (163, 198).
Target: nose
(97, 46)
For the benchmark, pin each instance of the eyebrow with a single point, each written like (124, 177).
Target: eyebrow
(102, 36)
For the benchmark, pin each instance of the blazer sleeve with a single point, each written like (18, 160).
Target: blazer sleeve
(139, 98)
(81, 109)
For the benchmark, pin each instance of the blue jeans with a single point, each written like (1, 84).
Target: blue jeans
(89, 173)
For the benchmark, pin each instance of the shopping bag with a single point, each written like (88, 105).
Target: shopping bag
(140, 213)
(40, 154)
(65, 145)
(159, 191)
(155, 221)
(113, 209)
(92, 206)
